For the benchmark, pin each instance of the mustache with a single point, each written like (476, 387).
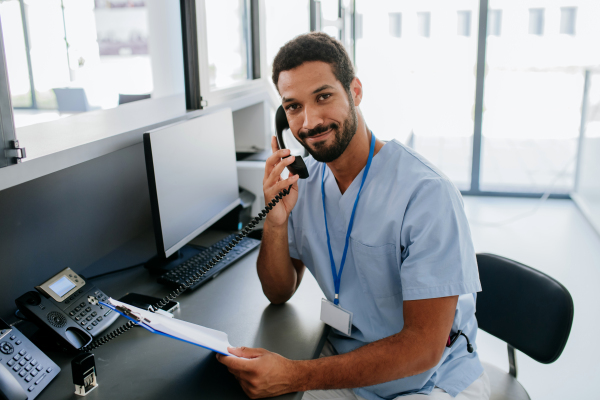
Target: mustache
(318, 130)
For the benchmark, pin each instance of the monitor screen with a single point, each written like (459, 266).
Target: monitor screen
(62, 286)
(192, 177)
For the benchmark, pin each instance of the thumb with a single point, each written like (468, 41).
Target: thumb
(245, 352)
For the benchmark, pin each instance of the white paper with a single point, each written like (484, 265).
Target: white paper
(195, 334)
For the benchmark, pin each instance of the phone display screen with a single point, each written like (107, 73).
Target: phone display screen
(62, 286)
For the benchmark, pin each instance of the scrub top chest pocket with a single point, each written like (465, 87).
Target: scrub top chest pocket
(377, 268)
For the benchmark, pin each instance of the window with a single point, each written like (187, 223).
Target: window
(423, 24)
(463, 26)
(494, 22)
(228, 42)
(423, 94)
(73, 56)
(536, 21)
(395, 24)
(567, 20)
(284, 21)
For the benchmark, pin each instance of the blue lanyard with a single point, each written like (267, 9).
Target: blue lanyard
(337, 277)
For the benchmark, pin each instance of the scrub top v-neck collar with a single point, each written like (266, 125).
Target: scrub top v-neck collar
(340, 205)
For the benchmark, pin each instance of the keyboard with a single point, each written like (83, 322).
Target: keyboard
(178, 275)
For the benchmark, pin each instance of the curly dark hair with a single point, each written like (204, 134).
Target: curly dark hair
(314, 46)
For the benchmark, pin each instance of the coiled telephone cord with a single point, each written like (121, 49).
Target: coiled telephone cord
(130, 324)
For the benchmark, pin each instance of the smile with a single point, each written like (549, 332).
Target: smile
(319, 137)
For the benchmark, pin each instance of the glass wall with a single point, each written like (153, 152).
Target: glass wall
(536, 58)
(284, 21)
(89, 54)
(228, 39)
(417, 63)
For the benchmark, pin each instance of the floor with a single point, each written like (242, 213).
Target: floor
(555, 238)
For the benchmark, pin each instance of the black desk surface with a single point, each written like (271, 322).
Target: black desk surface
(142, 365)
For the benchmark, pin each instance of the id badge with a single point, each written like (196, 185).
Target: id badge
(336, 317)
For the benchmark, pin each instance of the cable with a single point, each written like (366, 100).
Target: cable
(115, 271)
(244, 232)
(542, 200)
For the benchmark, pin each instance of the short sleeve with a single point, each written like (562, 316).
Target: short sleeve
(292, 238)
(438, 257)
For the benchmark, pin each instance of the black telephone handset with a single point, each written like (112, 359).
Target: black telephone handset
(24, 370)
(61, 306)
(298, 167)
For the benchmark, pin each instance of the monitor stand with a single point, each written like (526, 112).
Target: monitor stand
(160, 264)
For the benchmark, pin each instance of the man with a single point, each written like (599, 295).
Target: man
(409, 273)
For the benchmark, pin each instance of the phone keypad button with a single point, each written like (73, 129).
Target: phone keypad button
(18, 342)
(40, 379)
(89, 328)
(77, 309)
(30, 388)
(34, 362)
(89, 318)
(88, 309)
(83, 314)
(28, 378)
(28, 367)
(94, 314)
(77, 318)
(28, 357)
(39, 367)
(13, 337)
(10, 363)
(23, 362)
(82, 305)
(99, 319)
(34, 372)
(95, 323)
(72, 313)
(22, 352)
(17, 368)
(22, 373)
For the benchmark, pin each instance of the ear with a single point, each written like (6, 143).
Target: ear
(356, 91)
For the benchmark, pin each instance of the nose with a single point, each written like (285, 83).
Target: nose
(312, 118)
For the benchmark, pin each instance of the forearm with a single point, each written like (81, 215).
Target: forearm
(398, 356)
(277, 275)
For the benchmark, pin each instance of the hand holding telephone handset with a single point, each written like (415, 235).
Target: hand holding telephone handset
(275, 164)
(283, 189)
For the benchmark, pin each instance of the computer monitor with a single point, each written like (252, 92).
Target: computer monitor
(192, 177)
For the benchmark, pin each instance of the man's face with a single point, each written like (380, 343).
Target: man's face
(320, 113)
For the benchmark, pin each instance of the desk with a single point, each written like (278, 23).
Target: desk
(142, 365)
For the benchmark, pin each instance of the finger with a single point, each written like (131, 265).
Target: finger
(238, 364)
(277, 170)
(246, 352)
(274, 159)
(274, 144)
(286, 183)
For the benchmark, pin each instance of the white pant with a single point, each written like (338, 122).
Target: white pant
(478, 390)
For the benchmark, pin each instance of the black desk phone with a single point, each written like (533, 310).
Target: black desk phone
(24, 371)
(61, 306)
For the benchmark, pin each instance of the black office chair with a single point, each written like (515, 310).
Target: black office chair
(527, 309)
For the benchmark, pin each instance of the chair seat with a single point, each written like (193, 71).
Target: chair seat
(504, 386)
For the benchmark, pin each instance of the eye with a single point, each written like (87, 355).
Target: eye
(292, 107)
(324, 96)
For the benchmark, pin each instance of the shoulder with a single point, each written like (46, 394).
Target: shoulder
(412, 173)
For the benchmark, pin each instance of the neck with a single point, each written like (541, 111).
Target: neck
(347, 166)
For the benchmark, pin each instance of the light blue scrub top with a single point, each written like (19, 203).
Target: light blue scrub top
(410, 241)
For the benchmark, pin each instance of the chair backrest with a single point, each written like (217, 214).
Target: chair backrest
(524, 307)
(71, 100)
(128, 98)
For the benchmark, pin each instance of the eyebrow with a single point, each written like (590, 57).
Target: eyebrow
(320, 89)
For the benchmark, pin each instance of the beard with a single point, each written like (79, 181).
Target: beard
(342, 137)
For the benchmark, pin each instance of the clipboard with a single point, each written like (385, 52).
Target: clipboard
(197, 335)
